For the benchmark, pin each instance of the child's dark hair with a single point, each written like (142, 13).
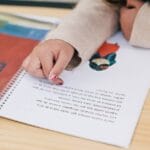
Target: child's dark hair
(146, 1)
(123, 2)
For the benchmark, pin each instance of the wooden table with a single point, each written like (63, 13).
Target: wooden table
(18, 136)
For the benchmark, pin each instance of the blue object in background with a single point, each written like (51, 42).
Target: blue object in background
(22, 31)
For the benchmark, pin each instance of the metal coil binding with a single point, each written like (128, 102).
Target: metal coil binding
(10, 87)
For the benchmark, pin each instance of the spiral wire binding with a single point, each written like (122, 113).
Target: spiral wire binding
(10, 87)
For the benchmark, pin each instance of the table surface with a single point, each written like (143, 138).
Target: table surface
(18, 136)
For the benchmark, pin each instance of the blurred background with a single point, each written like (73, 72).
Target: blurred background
(42, 3)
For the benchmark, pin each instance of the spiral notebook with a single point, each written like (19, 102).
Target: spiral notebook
(102, 106)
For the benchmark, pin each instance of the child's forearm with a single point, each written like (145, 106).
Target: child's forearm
(87, 26)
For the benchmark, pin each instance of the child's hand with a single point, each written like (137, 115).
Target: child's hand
(127, 16)
(49, 59)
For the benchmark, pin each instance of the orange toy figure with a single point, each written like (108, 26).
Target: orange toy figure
(104, 57)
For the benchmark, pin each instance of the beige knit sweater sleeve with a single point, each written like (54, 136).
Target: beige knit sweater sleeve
(87, 26)
(141, 28)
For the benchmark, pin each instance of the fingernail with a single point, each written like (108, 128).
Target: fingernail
(59, 81)
(52, 77)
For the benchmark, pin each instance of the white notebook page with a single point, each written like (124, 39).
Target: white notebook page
(102, 106)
